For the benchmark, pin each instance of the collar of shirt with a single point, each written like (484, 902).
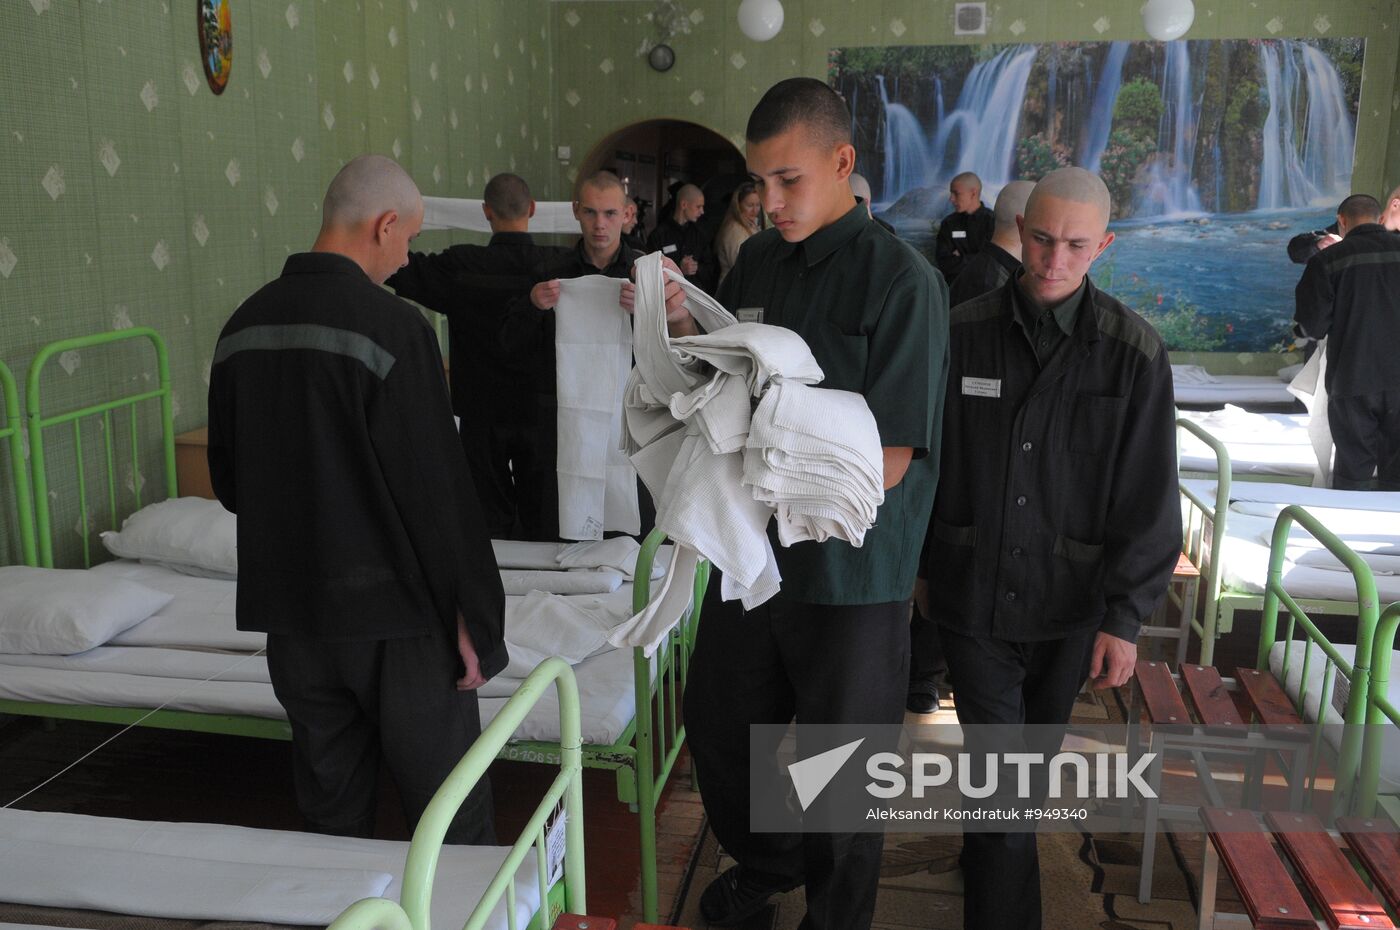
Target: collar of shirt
(820, 244)
(1367, 229)
(1065, 313)
(620, 261)
(323, 263)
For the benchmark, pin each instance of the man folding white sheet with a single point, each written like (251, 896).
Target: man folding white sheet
(593, 358)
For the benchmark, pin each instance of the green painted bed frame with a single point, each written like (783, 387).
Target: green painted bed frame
(412, 910)
(642, 758)
(1203, 539)
(1355, 770)
(11, 428)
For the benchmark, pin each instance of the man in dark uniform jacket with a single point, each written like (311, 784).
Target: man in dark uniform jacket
(1057, 525)
(963, 232)
(362, 552)
(528, 327)
(833, 645)
(1000, 258)
(680, 236)
(1350, 295)
(474, 286)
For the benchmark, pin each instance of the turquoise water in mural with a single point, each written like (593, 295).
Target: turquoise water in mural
(1231, 271)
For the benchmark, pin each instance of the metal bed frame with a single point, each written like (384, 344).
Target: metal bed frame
(642, 758)
(11, 428)
(1203, 525)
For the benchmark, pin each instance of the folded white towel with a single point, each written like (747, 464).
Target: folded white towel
(182, 887)
(553, 216)
(667, 606)
(758, 351)
(595, 582)
(618, 553)
(541, 556)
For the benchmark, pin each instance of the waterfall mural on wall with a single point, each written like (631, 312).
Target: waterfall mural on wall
(1216, 153)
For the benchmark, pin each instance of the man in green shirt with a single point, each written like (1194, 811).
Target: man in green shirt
(833, 646)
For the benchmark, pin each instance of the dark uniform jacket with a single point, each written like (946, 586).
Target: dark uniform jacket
(964, 234)
(986, 271)
(1350, 293)
(331, 437)
(1057, 506)
(1304, 245)
(693, 239)
(474, 287)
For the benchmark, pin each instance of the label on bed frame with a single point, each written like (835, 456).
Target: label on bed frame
(554, 847)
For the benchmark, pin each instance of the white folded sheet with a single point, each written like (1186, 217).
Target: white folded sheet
(206, 888)
(541, 625)
(593, 358)
(754, 351)
(649, 628)
(522, 582)
(551, 216)
(462, 875)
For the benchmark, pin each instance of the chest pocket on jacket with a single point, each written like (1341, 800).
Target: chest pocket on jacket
(1095, 423)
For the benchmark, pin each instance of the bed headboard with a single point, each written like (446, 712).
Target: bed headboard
(12, 439)
(102, 441)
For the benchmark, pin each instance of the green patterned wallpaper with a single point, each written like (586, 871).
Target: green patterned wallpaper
(134, 196)
(603, 84)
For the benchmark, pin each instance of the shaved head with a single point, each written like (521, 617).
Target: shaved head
(508, 196)
(368, 187)
(689, 192)
(603, 181)
(1074, 185)
(969, 179)
(804, 102)
(1011, 203)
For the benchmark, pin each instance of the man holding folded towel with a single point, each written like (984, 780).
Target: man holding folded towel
(1057, 525)
(362, 550)
(833, 646)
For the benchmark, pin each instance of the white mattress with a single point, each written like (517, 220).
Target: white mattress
(1235, 389)
(166, 659)
(1245, 551)
(463, 872)
(1258, 443)
(1390, 754)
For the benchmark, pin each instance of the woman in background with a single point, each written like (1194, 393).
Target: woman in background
(743, 218)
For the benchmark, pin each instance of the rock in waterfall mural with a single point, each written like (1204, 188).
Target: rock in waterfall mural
(1216, 152)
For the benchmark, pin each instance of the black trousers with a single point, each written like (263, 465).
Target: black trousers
(350, 703)
(1000, 682)
(820, 664)
(926, 661)
(1366, 433)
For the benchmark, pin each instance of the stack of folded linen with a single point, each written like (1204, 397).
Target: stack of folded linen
(719, 470)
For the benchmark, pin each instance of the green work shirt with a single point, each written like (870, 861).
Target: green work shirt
(1047, 330)
(875, 314)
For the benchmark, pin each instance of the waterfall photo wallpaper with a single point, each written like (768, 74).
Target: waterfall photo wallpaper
(1216, 152)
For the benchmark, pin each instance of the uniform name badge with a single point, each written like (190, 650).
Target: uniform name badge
(981, 387)
(750, 314)
(667, 249)
(960, 234)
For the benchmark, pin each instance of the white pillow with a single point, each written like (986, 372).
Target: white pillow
(180, 532)
(47, 611)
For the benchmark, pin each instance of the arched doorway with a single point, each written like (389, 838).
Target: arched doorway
(653, 155)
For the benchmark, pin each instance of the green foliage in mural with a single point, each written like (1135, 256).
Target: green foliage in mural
(1036, 157)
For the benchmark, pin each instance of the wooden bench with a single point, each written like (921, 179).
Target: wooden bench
(1236, 839)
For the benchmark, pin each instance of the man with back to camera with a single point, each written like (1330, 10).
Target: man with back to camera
(1000, 258)
(963, 232)
(860, 187)
(832, 645)
(474, 286)
(1056, 526)
(528, 326)
(1347, 296)
(362, 552)
(681, 237)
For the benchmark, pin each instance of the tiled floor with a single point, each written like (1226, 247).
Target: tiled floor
(165, 775)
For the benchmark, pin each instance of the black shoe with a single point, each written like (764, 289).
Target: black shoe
(923, 701)
(735, 896)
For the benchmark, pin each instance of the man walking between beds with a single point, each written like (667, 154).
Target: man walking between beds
(833, 646)
(1056, 525)
(363, 553)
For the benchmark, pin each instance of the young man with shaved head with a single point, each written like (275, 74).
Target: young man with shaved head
(963, 232)
(361, 548)
(1057, 525)
(833, 645)
(492, 390)
(1000, 258)
(680, 236)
